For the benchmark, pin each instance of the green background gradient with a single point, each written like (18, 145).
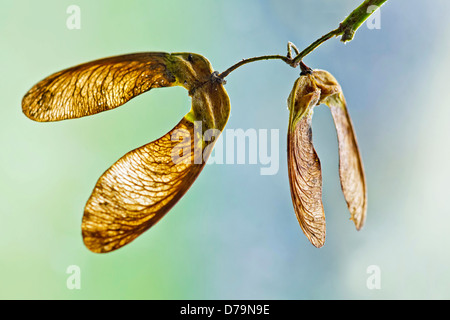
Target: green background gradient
(234, 235)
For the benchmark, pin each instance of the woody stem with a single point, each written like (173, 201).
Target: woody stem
(346, 30)
(249, 60)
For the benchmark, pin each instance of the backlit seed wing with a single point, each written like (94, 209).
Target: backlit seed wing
(351, 171)
(96, 86)
(305, 175)
(141, 187)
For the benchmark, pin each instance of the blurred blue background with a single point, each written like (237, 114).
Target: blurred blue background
(234, 235)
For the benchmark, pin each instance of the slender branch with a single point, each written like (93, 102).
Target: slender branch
(291, 46)
(245, 61)
(347, 28)
(315, 44)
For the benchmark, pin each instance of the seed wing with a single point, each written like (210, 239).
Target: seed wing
(351, 170)
(96, 86)
(305, 174)
(140, 188)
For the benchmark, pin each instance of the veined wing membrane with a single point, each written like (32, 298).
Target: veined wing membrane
(140, 188)
(305, 174)
(351, 170)
(96, 86)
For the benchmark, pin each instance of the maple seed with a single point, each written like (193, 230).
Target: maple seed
(142, 186)
(305, 177)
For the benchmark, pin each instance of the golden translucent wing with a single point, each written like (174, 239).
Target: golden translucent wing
(96, 86)
(351, 170)
(142, 186)
(305, 175)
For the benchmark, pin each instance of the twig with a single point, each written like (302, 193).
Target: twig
(346, 30)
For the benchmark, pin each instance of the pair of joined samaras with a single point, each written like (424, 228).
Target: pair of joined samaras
(305, 175)
(142, 186)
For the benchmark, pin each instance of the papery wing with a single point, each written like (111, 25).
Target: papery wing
(305, 175)
(96, 86)
(140, 188)
(351, 170)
